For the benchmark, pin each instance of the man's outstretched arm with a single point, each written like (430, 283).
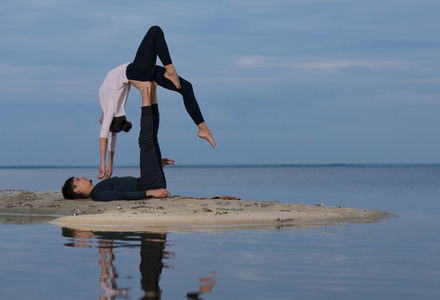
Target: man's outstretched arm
(106, 195)
(159, 193)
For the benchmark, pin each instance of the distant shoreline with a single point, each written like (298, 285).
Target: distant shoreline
(244, 166)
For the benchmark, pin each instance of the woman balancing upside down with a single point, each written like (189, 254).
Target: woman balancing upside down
(142, 73)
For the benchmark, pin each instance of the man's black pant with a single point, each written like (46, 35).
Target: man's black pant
(152, 175)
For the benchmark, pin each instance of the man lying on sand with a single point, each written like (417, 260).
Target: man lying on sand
(152, 182)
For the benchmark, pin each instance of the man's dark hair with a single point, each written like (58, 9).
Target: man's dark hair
(68, 190)
(120, 123)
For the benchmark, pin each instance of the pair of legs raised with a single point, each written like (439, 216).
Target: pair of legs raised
(152, 175)
(143, 72)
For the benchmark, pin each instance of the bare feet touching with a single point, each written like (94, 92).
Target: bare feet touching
(171, 74)
(205, 133)
(146, 88)
(148, 91)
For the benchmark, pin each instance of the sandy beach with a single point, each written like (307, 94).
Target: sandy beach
(176, 213)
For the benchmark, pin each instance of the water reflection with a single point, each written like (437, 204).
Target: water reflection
(108, 272)
(152, 253)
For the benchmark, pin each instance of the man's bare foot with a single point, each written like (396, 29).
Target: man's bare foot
(171, 74)
(146, 88)
(205, 133)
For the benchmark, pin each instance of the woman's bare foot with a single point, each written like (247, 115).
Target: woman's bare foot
(171, 74)
(205, 133)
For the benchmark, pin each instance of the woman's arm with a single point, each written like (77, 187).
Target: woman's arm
(102, 153)
(105, 172)
(109, 168)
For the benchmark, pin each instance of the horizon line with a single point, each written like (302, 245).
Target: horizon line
(238, 165)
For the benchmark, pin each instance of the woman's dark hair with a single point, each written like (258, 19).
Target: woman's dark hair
(120, 123)
(68, 190)
(67, 232)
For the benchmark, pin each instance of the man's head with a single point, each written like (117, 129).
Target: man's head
(77, 188)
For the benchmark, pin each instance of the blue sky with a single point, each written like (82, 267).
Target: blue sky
(278, 82)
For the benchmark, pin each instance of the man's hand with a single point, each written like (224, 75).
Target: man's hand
(159, 193)
(167, 161)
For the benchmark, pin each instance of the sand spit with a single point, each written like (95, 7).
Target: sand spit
(176, 213)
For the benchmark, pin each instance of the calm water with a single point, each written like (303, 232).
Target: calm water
(395, 258)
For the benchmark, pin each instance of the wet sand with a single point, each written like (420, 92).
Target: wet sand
(176, 213)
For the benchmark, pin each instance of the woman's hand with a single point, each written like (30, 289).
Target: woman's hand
(101, 172)
(108, 171)
(167, 161)
(104, 172)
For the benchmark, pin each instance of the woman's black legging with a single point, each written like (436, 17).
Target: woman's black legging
(186, 90)
(144, 68)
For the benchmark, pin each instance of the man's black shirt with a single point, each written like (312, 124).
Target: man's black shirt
(118, 188)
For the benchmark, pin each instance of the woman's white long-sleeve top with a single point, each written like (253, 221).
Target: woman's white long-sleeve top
(113, 96)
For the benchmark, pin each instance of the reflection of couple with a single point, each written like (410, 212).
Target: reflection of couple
(144, 74)
(108, 272)
(151, 265)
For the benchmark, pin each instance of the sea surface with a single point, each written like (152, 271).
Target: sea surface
(395, 258)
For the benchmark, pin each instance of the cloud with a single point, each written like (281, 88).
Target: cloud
(319, 64)
(28, 83)
(422, 80)
(256, 66)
